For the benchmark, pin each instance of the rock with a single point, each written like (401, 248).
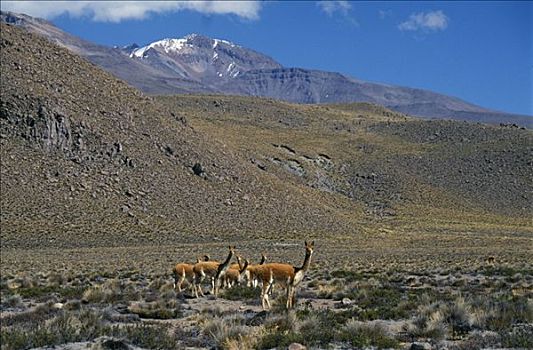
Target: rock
(58, 306)
(420, 346)
(198, 169)
(108, 343)
(297, 346)
(346, 301)
(258, 319)
(169, 150)
(14, 284)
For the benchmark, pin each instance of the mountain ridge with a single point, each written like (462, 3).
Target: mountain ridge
(237, 70)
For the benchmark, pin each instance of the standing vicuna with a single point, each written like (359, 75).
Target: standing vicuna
(250, 273)
(235, 274)
(288, 276)
(184, 271)
(212, 270)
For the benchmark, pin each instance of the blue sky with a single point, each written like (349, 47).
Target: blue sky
(478, 51)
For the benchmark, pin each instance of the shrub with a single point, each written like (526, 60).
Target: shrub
(12, 301)
(146, 336)
(241, 293)
(30, 318)
(318, 328)
(521, 336)
(223, 330)
(55, 279)
(505, 313)
(428, 323)
(362, 335)
(109, 291)
(157, 310)
(481, 340)
(286, 322)
(42, 331)
(458, 315)
(376, 303)
(349, 276)
(279, 340)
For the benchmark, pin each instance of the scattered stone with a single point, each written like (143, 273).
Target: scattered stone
(258, 319)
(169, 150)
(420, 346)
(14, 284)
(347, 301)
(297, 346)
(108, 343)
(198, 169)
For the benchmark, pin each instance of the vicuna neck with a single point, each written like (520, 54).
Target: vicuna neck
(307, 261)
(228, 259)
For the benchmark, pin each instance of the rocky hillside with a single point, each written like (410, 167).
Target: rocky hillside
(399, 169)
(88, 160)
(200, 64)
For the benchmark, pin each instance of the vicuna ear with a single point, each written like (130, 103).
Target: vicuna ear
(312, 243)
(305, 242)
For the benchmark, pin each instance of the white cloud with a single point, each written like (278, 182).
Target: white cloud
(343, 8)
(116, 11)
(331, 7)
(384, 14)
(430, 21)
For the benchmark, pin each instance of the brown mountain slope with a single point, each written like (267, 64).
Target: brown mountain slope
(89, 161)
(403, 171)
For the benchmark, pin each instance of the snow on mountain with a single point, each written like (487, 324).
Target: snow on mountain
(168, 45)
(201, 58)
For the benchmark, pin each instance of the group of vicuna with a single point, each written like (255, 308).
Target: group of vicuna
(226, 275)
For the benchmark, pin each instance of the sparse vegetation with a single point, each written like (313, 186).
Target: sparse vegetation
(366, 307)
(405, 213)
(241, 292)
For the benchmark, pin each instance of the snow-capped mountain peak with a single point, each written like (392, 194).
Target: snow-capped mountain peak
(217, 41)
(170, 45)
(201, 58)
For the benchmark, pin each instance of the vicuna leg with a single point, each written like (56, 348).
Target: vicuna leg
(289, 292)
(198, 285)
(180, 282)
(265, 303)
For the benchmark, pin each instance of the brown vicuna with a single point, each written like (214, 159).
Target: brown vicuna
(184, 272)
(211, 270)
(286, 275)
(251, 274)
(235, 274)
